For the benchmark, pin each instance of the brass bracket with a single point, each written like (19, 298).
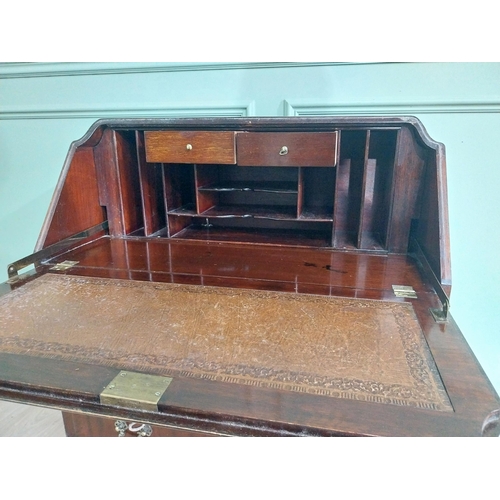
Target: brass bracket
(439, 315)
(404, 291)
(17, 278)
(135, 390)
(44, 255)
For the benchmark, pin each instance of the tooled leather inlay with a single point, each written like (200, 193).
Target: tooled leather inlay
(347, 348)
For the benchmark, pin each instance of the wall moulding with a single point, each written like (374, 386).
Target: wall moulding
(296, 108)
(46, 69)
(233, 110)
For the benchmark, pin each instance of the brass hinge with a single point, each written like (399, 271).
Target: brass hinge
(135, 390)
(404, 291)
(64, 265)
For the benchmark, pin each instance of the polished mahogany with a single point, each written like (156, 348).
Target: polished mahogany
(326, 208)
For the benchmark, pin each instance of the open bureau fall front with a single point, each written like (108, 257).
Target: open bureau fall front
(245, 276)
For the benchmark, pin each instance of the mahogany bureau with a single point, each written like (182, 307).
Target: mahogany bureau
(249, 277)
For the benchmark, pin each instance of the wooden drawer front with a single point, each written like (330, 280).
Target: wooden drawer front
(287, 149)
(190, 147)
(82, 425)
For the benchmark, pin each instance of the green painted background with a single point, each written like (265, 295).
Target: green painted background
(44, 107)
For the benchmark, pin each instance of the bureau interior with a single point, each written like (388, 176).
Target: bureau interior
(345, 206)
(365, 198)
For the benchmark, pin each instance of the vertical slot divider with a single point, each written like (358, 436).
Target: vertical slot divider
(165, 199)
(128, 183)
(151, 186)
(341, 202)
(365, 210)
(365, 239)
(300, 191)
(376, 197)
(348, 189)
(386, 186)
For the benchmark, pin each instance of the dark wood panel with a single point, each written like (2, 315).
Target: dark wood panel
(77, 206)
(190, 147)
(278, 237)
(433, 228)
(349, 188)
(179, 189)
(289, 264)
(206, 175)
(367, 205)
(128, 178)
(151, 179)
(318, 193)
(303, 149)
(382, 150)
(81, 425)
(409, 165)
(341, 204)
(118, 181)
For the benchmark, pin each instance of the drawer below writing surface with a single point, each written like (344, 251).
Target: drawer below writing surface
(82, 425)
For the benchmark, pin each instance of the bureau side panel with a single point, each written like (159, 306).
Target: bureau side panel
(77, 206)
(433, 230)
(409, 166)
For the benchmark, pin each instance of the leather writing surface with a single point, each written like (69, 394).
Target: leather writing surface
(348, 348)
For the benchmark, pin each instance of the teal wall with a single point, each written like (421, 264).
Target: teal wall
(44, 107)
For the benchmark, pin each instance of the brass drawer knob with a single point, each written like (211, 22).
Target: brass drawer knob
(189, 147)
(283, 151)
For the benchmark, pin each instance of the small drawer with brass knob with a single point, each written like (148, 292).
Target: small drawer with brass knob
(287, 149)
(168, 146)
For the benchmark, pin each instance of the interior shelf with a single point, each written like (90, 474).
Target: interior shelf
(316, 214)
(189, 210)
(255, 211)
(257, 187)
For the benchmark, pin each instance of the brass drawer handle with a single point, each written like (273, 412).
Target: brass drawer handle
(142, 430)
(491, 424)
(284, 151)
